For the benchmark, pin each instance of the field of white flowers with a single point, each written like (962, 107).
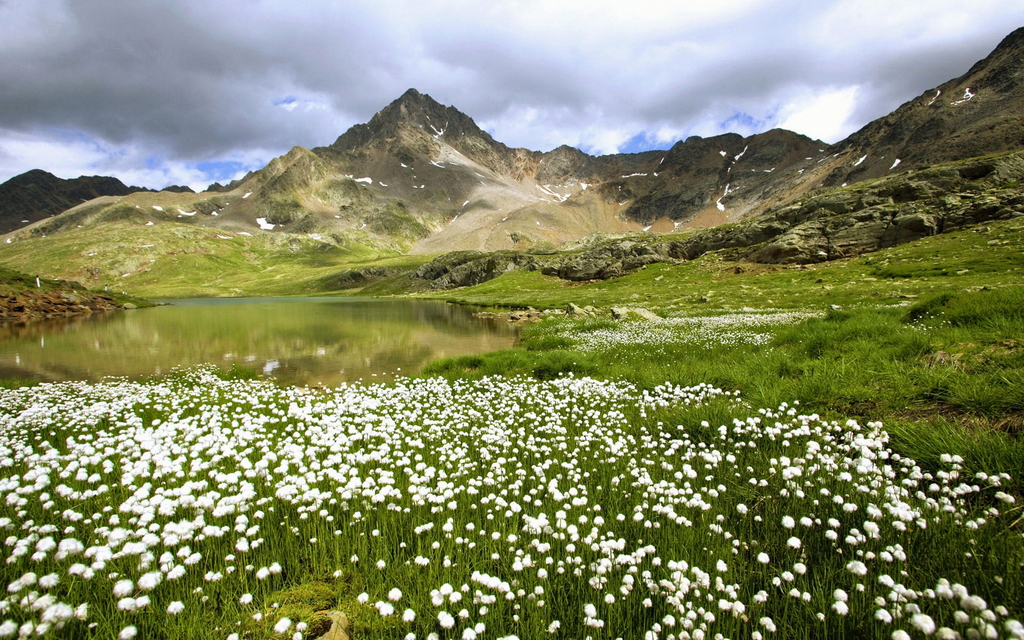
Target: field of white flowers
(721, 329)
(498, 508)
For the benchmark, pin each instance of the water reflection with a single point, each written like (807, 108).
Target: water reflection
(298, 341)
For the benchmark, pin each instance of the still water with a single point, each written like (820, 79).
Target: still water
(296, 340)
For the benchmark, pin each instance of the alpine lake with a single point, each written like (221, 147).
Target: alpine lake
(297, 341)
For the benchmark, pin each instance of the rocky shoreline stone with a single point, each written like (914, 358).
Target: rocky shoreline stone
(533, 315)
(31, 306)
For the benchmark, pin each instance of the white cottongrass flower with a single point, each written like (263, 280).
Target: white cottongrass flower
(175, 607)
(857, 568)
(282, 625)
(446, 620)
(923, 623)
(793, 543)
(128, 633)
(149, 581)
(123, 588)
(395, 595)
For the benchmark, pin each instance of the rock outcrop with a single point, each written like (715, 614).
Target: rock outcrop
(29, 307)
(838, 223)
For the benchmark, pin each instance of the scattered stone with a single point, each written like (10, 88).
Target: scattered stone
(943, 359)
(574, 310)
(129, 306)
(339, 627)
(645, 314)
(625, 313)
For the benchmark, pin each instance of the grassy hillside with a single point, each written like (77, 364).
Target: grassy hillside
(987, 256)
(178, 260)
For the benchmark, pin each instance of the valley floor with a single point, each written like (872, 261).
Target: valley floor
(829, 451)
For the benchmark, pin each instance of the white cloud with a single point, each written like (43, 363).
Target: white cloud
(821, 114)
(193, 81)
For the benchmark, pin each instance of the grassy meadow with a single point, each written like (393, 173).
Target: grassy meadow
(822, 452)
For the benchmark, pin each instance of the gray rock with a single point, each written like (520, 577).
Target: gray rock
(339, 627)
(645, 314)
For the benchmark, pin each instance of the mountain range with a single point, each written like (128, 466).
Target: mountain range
(421, 177)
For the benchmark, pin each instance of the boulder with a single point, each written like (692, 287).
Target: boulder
(645, 314)
(339, 627)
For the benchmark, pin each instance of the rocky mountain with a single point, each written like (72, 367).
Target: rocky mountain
(828, 225)
(422, 177)
(978, 113)
(36, 194)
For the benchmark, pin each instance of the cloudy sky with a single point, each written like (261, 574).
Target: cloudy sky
(192, 91)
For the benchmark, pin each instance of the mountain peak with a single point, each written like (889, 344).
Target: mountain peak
(413, 110)
(418, 109)
(410, 94)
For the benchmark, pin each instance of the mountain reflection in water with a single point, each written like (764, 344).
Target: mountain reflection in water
(296, 340)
